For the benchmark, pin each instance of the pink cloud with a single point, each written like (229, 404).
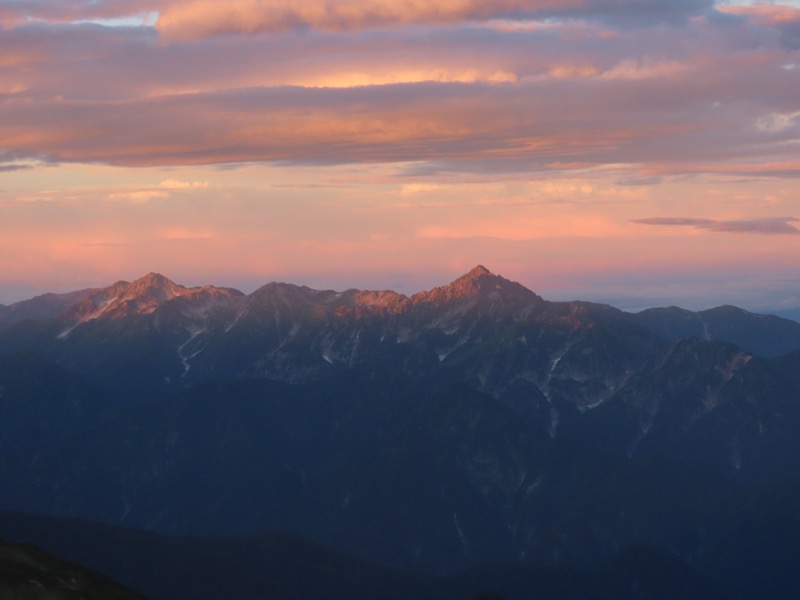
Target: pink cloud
(765, 14)
(198, 19)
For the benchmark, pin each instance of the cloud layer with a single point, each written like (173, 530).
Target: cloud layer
(197, 19)
(714, 93)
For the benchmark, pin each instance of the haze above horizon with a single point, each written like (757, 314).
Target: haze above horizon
(638, 155)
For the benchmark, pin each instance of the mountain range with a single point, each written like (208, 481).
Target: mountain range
(473, 424)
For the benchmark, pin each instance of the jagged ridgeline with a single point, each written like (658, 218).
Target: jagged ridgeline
(475, 423)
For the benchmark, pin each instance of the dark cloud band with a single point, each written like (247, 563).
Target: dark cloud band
(770, 226)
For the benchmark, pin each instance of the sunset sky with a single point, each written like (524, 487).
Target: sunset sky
(636, 152)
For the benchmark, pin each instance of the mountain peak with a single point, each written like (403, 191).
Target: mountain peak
(478, 282)
(156, 279)
(155, 286)
(478, 278)
(477, 272)
(141, 297)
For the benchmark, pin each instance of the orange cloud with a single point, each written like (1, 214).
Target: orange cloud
(765, 14)
(174, 184)
(197, 19)
(409, 75)
(140, 196)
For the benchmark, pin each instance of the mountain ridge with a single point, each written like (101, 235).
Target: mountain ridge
(157, 336)
(478, 423)
(147, 293)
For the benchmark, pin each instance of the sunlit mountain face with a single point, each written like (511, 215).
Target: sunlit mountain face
(473, 424)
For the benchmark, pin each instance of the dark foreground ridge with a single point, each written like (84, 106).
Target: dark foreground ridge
(286, 566)
(27, 573)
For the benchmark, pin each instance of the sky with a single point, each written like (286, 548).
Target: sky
(635, 152)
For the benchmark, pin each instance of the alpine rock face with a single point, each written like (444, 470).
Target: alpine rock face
(142, 297)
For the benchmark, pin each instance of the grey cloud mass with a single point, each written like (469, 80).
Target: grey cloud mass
(770, 226)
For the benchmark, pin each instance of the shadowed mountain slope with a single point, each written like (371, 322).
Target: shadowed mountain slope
(765, 335)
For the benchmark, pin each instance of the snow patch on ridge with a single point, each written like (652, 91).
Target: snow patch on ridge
(65, 334)
(194, 331)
